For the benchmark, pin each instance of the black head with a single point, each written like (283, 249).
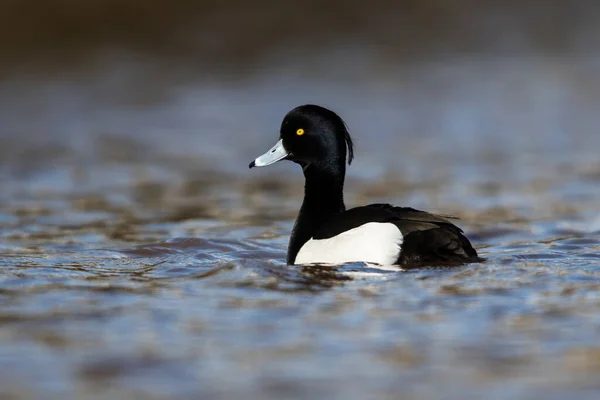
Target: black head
(311, 135)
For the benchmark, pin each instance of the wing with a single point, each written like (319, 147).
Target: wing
(407, 219)
(429, 239)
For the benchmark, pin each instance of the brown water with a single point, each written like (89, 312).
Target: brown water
(140, 258)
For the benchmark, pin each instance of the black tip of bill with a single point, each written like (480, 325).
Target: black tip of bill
(252, 164)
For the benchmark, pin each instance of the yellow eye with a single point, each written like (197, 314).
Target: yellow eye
(300, 132)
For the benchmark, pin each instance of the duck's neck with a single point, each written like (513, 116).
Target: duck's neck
(323, 197)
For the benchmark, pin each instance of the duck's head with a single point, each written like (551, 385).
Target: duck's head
(311, 136)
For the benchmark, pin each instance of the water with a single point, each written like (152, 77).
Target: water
(140, 258)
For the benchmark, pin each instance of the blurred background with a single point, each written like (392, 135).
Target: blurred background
(505, 86)
(189, 76)
(124, 123)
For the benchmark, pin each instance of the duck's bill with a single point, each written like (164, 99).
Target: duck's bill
(277, 153)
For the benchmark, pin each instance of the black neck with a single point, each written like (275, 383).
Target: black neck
(323, 196)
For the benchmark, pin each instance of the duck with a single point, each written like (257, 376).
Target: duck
(325, 232)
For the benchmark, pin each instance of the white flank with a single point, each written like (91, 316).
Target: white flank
(373, 242)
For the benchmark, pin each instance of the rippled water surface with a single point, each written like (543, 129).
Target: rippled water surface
(140, 258)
